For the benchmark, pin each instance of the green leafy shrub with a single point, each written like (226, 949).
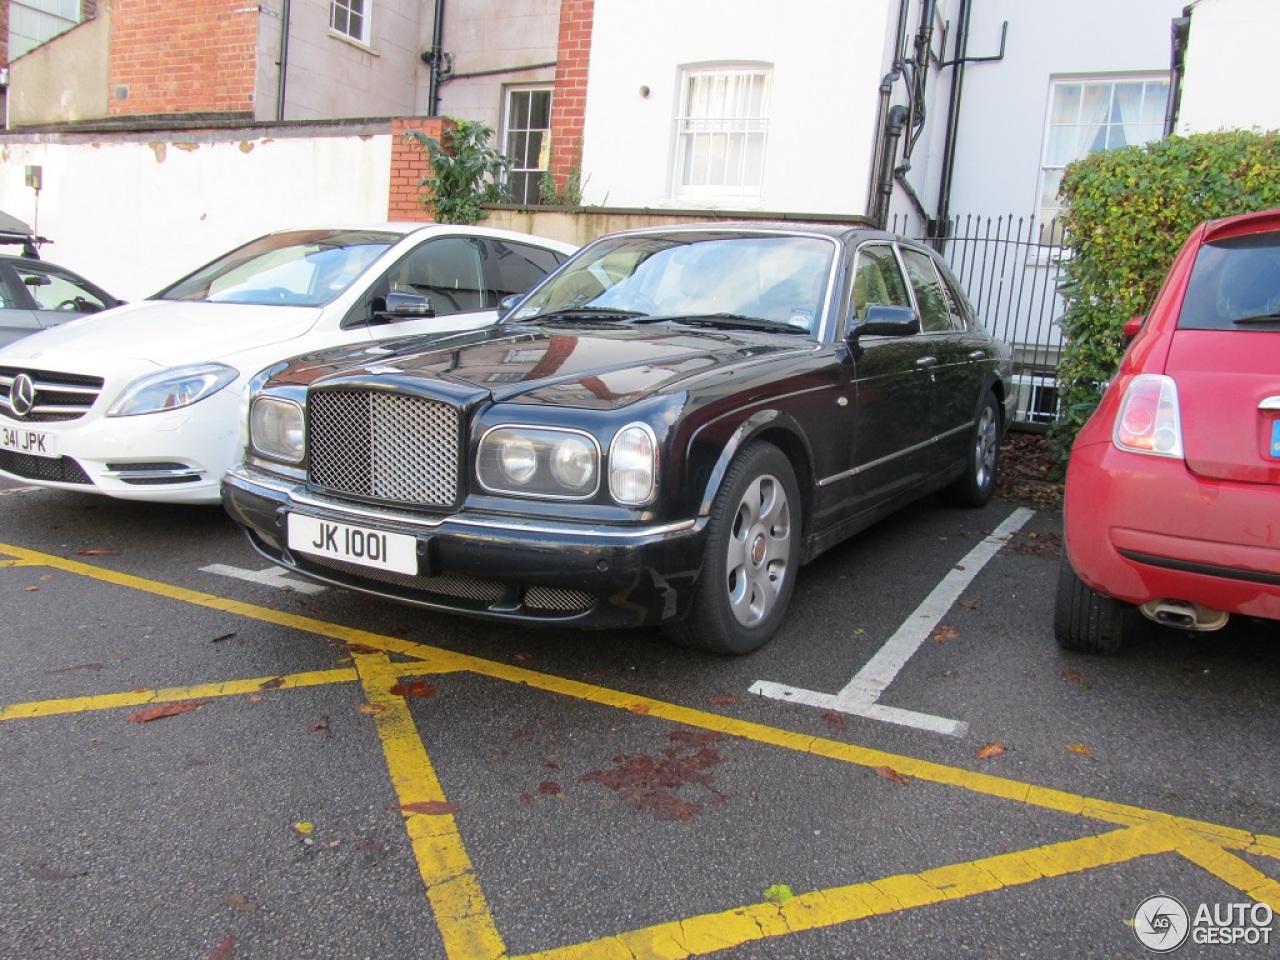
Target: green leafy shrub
(466, 172)
(1126, 213)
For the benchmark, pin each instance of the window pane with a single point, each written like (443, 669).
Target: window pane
(1066, 103)
(1155, 101)
(540, 109)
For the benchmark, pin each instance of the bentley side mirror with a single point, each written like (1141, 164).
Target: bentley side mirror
(883, 320)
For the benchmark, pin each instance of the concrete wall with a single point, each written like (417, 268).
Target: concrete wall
(64, 81)
(484, 35)
(1231, 80)
(828, 57)
(134, 212)
(331, 76)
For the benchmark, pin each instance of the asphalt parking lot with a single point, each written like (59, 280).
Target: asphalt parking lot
(206, 759)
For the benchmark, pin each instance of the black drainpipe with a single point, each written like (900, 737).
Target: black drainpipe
(1179, 32)
(435, 59)
(878, 185)
(941, 227)
(284, 59)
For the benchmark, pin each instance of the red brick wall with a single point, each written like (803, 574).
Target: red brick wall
(197, 56)
(569, 106)
(408, 166)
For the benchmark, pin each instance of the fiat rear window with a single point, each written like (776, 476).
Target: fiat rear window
(1235, 285)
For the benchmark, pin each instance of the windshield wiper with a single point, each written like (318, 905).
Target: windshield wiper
(1259, 318)
(584, 313)
(730, 321)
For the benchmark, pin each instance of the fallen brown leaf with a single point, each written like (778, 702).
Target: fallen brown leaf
(97, 553)
(362, 648)
(891, 774)
(432, 808)
(162, 710)
(944, 633)
(640, 708)
(415, 689)
(370, 709)
(322, 726)
(272, 684)
(722, 699)
(833, 720)
(32, 589)
(1080, 748)
(970, 604)
(549, 788)
(225, 949)
(990, 750)
(238, 901)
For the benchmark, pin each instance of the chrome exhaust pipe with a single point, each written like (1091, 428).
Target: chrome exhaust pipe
(1184, 615)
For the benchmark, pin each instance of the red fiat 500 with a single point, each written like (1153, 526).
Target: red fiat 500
(1173, 487)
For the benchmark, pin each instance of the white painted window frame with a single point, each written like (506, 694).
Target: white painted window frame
(721, 132)
(1057, 146)
(342, 11)
(544, 156)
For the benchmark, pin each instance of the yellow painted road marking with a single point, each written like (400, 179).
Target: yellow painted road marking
(206, 691)
(828, 908)
(461, 911)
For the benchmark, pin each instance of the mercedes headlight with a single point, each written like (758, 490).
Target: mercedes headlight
(539, 462)
(277, 429)
(172, 388)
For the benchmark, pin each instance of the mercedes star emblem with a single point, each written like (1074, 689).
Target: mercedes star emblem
(22, 395)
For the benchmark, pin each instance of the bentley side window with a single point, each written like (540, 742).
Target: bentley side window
(930, 298)
(877, 279)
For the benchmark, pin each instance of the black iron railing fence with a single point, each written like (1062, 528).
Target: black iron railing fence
(1010, 267)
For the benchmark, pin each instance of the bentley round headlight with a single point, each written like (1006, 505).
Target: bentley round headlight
(573, 462)
(633, 464)
(549, 462)
(518, 459)
(277, 430)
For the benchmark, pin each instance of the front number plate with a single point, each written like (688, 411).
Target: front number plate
(37, 443)
(360, 545)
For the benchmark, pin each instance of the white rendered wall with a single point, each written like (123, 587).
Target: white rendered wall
(134, 215)
(1003, 110)
(1231, 80)
(827, 57)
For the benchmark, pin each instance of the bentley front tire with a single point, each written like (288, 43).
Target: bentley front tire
(751, 559)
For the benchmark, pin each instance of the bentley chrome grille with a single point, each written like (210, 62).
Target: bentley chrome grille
(42, 396)
(384, 445)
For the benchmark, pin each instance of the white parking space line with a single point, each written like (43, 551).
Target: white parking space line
(271, 577)
(861, 695)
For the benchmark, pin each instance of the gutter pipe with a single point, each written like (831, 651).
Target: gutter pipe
(284, 59)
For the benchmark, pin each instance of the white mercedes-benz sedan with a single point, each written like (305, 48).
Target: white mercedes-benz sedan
(146, 401)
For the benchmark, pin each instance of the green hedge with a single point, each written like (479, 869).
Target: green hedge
(1126, 213)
